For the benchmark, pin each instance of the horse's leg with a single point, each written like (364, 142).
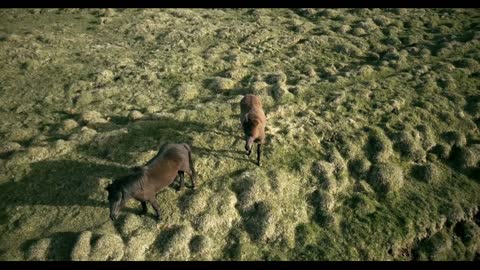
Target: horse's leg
(144, 208)
(192, 172)
(259, 151)
(182, 179)
(176, 178)
(154, 203)
(192, 175)
(246, 148)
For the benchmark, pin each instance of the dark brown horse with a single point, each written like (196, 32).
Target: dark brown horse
(145, 182)
(253, 122)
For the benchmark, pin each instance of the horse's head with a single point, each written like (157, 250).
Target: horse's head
(116, 197)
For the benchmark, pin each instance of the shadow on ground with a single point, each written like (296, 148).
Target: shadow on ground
(59, 183)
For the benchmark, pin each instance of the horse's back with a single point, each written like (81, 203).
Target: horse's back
(252, 105)
(169, 153)
(163, 170)
(250, 101)
(177, 151)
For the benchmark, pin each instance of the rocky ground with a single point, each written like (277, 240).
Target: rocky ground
(373, 141)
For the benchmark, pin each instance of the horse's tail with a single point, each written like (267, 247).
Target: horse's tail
(189, 151)
(139, 168)
(245, 118)
(190, 161)
(187, 147)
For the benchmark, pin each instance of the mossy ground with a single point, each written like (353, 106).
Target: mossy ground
(88, 93)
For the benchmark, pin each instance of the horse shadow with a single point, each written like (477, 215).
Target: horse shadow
(76, 182)
(59, 183)
(141, 136)
(231, 154)
(147, 135)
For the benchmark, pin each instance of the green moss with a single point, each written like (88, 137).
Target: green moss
(466, 157)
(84, 99)
(454, 138)
(81, 249)
(469, 233)
(427, 136)
(107, 247)
(256, 198)
(242, 248)
(195, 203)
(104, 77)
(7, 147)
(276, 78)
(185, 92)
(201, 246)
(408, 147)
(83, 136)
(280, 93)
(135, 115)
(221, 85)
(386, 178)
(38, 251)
(437, 248)
(324, 200)
(359, 167)
(68, 125)
(92, 117)
(220, 216)
(324, 171)
(362, 204)
(441, 150)
(130, 223)
(138, 243)
(337, 160)
(379, 146)
(23, 134)
(177, 245)
(427, 173)
(261, 225)
(305, 234)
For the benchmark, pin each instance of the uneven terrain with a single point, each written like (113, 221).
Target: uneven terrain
(372, 149)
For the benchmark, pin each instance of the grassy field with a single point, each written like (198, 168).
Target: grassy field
(372, 148)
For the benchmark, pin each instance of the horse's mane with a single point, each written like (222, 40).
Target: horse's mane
(127, 181)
